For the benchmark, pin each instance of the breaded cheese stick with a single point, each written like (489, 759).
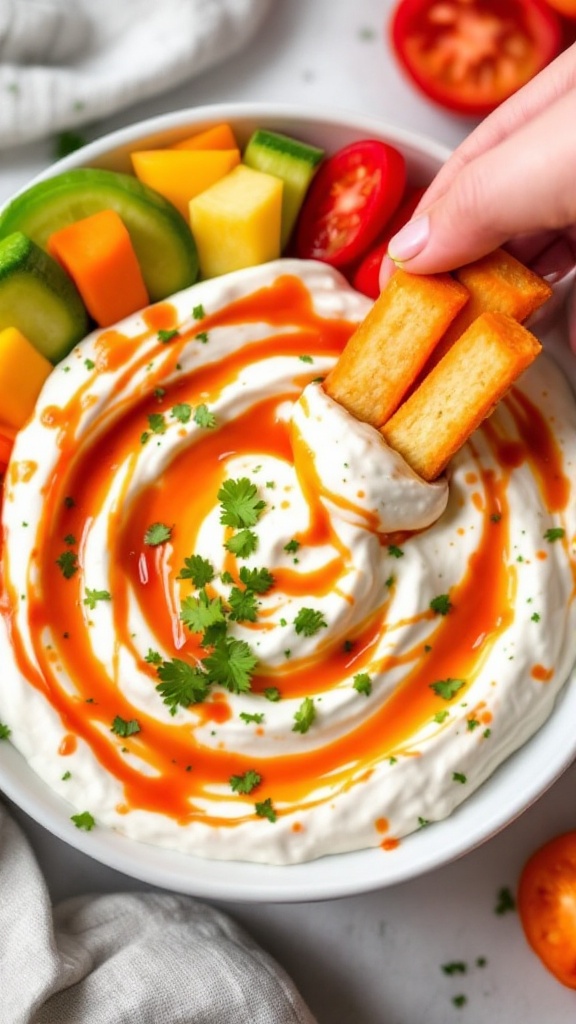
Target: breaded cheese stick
(497, 283)
(389, 348)
(439, 416)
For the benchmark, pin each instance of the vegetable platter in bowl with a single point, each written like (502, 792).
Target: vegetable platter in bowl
(245, 656)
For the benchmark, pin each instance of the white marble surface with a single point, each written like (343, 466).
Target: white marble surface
(376, 958)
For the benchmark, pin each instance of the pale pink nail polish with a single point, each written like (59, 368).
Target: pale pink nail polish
(410, 240)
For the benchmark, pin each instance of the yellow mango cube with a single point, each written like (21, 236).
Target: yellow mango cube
(220, 136)
(23, 371)
(236, 223)
(180, 174)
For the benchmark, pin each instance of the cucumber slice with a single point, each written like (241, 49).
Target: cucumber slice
(161, 237)
(39, 298)
(293, 161)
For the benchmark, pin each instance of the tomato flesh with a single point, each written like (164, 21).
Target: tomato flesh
(470, 55)
(547, 906)
(352, 196)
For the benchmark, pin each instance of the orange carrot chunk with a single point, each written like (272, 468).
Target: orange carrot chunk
(98, 254)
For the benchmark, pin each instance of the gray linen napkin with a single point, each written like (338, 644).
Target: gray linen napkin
(66, 62)
(132, 958)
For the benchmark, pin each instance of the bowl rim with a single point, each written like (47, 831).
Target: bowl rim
(480, 817)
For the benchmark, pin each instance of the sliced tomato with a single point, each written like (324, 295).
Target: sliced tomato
(469, 55)
(547, 906)
(565, 7)
(352, 195)
(366, 275)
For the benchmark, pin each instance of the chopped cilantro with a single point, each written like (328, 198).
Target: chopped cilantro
(157, 423)
(197, 569)
(66, 776)
(231, 664)
(168, 335)
(272, 693)
(460, 1000)
(304, 717)
(363, 683)
(245, 783)
(226, 577)
(258, 580)
(309, 621)
(472, 724)
(153, 657)
(198, 312)
(292, 546)
(242, 544)
(70, 539)
(202, 337)
(241, 506)
(441, 604)
(93, 596)
(423, 822)
(4, 731)
(264, 809)
(395, 551)
(554, 533)
(89, 364)
(505, 901)
(441, 716)
(182, 412)
(83, 820)
(535, 617)
(447, 688)
(459, 777)
(157, 533)
(123, 727)
(204, 418)
(69, 502)
(201, 612)
(181, 684)
(243, 605)
(68, 142)
(257, 718)
(496, 517)
(306, 359)
(68, 563)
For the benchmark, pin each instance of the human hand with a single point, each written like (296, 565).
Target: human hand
(512, 182)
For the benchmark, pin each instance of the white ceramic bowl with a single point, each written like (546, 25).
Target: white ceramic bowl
(512, 788)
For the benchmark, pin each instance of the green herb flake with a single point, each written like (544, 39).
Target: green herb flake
(4, 731)
(460, 1000)
(202, 337)
(168, 335)
(292, 546)
(157, 423)
(241, 506)
(459, 777)
(181, 684)
(306, 359)
(182, 412)
(309, 621)
(69, 502)
(272, 693)
(395, 551)
(264, 809)
(447, 688)
(304, 716)
(362, 683)
(554, 533)
(197, 569)
(68, 563)
(84, 821)
(89, 364)
(66, 776)
(204, 418)
(441, 604)
(93, 596)
(245, 783)
(505, 902)
(70, 539)
(153, 657)
(157, 533)
(535, 617)
(454, 967)
(68, 142)
(123, 727)
(198, 312)
(256, 719)
(231, 665)
(242, 544)
(441, 716)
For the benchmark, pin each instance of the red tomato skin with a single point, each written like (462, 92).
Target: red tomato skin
(366, 276)
(567, 8)
(541, 22)
(318, 211)
(547, 906)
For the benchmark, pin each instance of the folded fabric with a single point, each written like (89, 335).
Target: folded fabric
(151, 958)
(66, 62)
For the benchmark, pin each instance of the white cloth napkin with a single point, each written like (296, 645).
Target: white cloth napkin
(133, 958)
(66, 62)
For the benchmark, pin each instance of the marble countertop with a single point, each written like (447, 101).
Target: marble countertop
(378, 957)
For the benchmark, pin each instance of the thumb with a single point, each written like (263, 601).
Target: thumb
(523, 184)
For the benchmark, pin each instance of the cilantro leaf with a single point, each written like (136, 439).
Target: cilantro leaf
(153, 657)
(197, 569)
(157, 533)
(5, 731)
(257, 718)
(363, 683)
(264, 809)
(395, 551)
(83, 820)
(93, 596)
(305, 716)
(505, 901)
(201, 612)
(245, 783)
(203, 417)
(258, 580)
(241, 506)
(243, 605)
(459, 777)
(242, 544)
(68, 563)
(123, 727)
(181, 684)
(182, 412)
(157, 423)
(554, 533)
(309, 621)
(198, 312)
(168, 335)
(272, 693)
(447, 688)
(231, 664)
(441, 604)
(292, 546)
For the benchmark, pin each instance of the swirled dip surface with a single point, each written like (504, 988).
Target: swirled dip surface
(410, 638)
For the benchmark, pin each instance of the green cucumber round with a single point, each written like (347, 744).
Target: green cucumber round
(161, 237)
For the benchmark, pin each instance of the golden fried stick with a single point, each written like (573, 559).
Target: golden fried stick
(385, 354)
(461, 390)
(497, 283)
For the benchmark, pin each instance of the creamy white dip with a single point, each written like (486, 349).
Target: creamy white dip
(443, 614)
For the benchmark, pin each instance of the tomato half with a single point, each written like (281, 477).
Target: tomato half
(565, 7)
(353, 194)
(469, 55)
(547, 906)
(366, 275)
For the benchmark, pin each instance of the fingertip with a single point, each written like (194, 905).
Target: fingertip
(387, 268)
(411, 240)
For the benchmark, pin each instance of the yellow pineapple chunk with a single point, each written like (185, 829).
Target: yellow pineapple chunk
(23, 371)
(236, 222)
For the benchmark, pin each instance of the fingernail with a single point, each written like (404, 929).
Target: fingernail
(410, 240)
